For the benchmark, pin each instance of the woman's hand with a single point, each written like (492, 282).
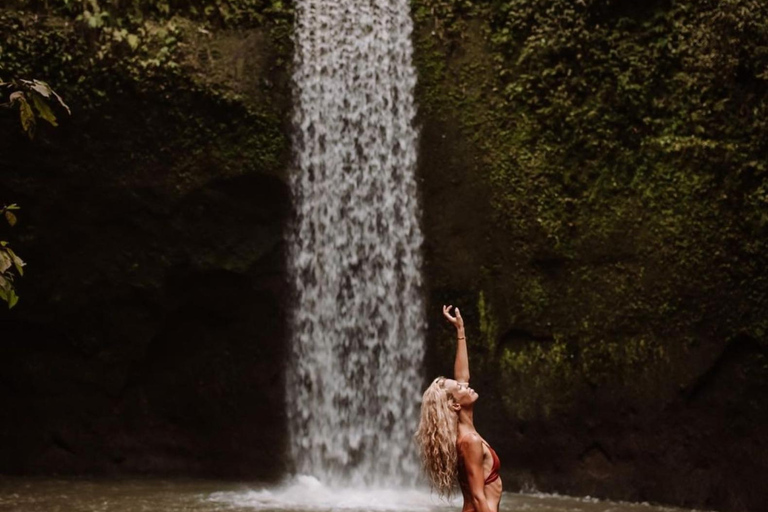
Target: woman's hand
(461, 365)
(457, 321)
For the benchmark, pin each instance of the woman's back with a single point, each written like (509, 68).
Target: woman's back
(490, 465)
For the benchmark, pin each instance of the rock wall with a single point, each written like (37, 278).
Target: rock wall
(150, 333)
(593, 195)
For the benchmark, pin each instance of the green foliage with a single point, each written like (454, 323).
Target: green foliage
(487, 322)
(625, 145)
(557, 374)
(218, 13)
(91, 46)
(26, 94)
(142, 75)
(9, 261)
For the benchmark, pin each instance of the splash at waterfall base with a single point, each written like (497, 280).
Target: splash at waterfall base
(305, 492)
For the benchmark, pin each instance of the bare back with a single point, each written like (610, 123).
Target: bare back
(492, 490)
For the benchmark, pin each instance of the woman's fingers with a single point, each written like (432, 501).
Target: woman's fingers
(458, 321)
(447, 314)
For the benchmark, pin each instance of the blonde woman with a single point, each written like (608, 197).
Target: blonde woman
(451, 448)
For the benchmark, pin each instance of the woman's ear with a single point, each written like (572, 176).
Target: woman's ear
(456, 407)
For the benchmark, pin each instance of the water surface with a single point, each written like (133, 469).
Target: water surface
(304, 494)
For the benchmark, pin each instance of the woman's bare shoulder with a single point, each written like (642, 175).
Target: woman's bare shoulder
(470, 439)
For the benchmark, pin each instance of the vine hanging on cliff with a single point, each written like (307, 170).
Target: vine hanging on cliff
(9, 261)
(32, 98)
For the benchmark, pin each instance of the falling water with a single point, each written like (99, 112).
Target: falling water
(357, 342)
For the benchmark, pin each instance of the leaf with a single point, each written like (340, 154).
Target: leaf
(46, 91)
(18, 263)
(40, 87)
(61, 102)
(43, 109)
(13, 299)
(13, 206)
(5, 261)
(26, 115)
(16, 96)
(133, 41)
(11, 218)
(93, 21)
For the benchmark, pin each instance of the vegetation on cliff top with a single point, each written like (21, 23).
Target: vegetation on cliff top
(165, 96)
(93, 47)
(625, 147)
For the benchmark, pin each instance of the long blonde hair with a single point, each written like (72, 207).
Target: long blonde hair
(437, 437)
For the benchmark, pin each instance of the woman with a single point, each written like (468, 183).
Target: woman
(451, 448)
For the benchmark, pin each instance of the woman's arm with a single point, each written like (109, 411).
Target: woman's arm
(461, 365)
(471, 451)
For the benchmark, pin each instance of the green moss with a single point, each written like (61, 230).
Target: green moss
(624, 146)
(177, 71)
(554, 377)
(489, 329)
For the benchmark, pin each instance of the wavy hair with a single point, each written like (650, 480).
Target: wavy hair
(437, 437)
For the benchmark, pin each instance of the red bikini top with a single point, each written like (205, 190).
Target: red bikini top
(494, 474)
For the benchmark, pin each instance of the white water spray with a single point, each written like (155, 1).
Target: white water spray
(357, 328)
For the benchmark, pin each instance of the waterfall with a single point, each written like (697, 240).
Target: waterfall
(358, 325)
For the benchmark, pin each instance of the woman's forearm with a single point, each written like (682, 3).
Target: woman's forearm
(461, 365)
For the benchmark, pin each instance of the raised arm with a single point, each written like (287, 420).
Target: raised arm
(461, 365)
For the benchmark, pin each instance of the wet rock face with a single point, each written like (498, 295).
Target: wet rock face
(160, 346)
(694, 434)
(150, 337)
(612, 359)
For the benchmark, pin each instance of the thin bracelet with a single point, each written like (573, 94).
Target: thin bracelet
(461, 338)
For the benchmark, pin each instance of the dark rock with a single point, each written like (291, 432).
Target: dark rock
(151, 333)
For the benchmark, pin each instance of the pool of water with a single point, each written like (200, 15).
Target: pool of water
(302, 494)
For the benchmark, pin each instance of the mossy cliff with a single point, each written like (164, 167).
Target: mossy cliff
(594, 182)
(149, 335)
(594, 198)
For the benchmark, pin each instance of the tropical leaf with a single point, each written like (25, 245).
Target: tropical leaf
(26, 114)
(61, 101)
(15, 96)
(5, 261)
(18, 263)
(133, 41)
(40, 87)
(45, 91)
(43, 109)
(11, 218)
(12, 298)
